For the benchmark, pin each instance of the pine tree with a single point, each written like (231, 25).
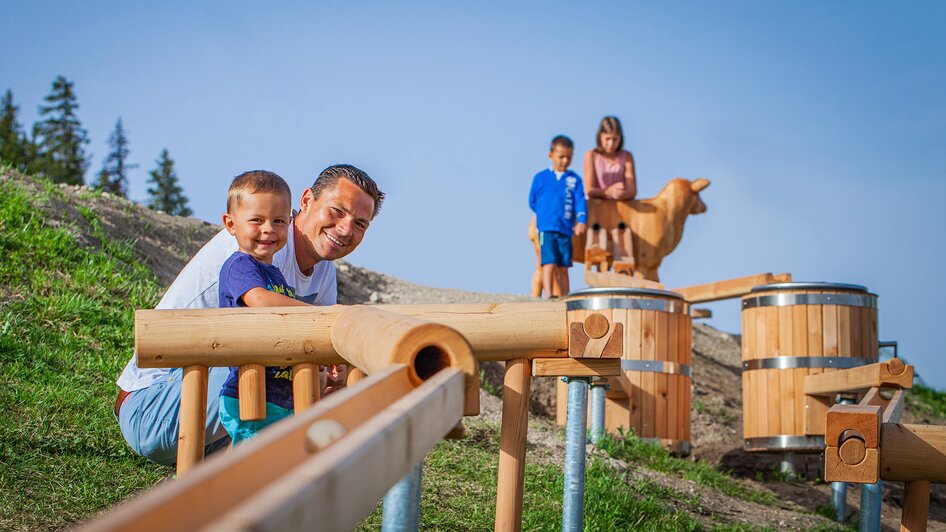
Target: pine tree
(14, 146)
(167, 195)
(60, 138)
(114, 174)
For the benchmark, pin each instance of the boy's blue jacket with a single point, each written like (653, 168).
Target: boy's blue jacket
(558, 203)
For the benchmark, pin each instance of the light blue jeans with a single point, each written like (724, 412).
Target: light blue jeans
(149, 417)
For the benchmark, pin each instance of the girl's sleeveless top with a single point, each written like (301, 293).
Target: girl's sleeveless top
(610, 171)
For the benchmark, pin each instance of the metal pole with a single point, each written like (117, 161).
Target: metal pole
(573, 503)
(787, 465)
(871, 496)
(598, 391)
(401, 510)
(839, 499)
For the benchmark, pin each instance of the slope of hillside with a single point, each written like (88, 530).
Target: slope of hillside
(37, 418)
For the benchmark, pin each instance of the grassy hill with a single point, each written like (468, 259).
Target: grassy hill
(76, 264)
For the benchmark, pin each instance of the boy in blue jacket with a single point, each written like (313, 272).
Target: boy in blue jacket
(558, 199)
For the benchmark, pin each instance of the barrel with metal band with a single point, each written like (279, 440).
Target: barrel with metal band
(790, 331)
(652, 397)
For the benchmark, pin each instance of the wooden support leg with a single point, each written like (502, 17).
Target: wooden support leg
(193, 415)
(354, 375)
(916, 506)
(305, 386)
(252, 392)
(512, 445)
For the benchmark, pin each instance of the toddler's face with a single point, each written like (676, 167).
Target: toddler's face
(260, 223)
(610, 141)
(561, 158)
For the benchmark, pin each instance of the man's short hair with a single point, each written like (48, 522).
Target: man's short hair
(329, 177)
(562, 141)
(256, 182)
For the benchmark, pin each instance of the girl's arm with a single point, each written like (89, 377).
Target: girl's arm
(591, 189)
(630, 179)
(261, 297)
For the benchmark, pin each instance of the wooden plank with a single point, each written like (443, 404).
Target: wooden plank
(661, 389)
(787, 400)
(561, 402)
(890, 374)
(512, 445)
(799, 375)
(799, 330)
(576, 367)
(760, 377)
(633, 379)
(617, 415)
(606, 279)
(673, 386)
(729, 288)
(350, 478)
(894, 408)
(829, 329)
(234, 476)
(844, 332)
(648, 378)
(701, 313)
(815, 335)
(857, 336)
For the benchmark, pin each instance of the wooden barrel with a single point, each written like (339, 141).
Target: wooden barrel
(652, 397)
(790, 331)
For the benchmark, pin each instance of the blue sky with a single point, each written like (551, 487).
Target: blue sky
(821, 125)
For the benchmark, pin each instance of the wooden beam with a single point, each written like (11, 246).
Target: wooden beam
(730, 288)
(916, 506)
(890, 374)
(701, 313)
(292, 335)
(913, 452)
(228, 479)
(372, 339)
(576, 367)
(512, 446)
(894, 408)
(364, 439)
(617, 280)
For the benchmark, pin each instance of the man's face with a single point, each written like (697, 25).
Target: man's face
(335, 222)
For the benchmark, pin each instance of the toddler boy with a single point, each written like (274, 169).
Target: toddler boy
(558, 199)
(259, 216)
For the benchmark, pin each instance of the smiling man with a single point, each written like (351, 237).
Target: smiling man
(332, 219)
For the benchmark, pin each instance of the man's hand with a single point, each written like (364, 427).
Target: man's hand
(580, 229)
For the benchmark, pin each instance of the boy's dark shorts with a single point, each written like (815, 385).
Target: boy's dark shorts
(556, 248)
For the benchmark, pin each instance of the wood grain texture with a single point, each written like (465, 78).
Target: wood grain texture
(512, 445)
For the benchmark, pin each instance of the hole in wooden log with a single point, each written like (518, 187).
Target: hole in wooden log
(429, 361)
(595, 227)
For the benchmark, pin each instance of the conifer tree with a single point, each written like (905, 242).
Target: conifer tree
(14, 146)
(59, 137)
(167, 195)
(114, 174)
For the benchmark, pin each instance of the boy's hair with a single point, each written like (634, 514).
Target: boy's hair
(562, 141)
(256, 182)
(329, 177)
(609, 124)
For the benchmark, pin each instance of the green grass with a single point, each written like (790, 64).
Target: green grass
(65, 333)
(925, 401)
(459, 493)
(640, 452)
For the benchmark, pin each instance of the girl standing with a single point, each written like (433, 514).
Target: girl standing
(609, 175)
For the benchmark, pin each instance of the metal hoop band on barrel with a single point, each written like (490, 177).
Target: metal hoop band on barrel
(672, 306)
(802, 362)
(787, 300)
(656, 366)
(785, 443)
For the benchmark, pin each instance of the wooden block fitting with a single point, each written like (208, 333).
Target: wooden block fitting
(576, 367)
(595, 337)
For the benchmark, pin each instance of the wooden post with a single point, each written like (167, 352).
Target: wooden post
(512, 445)
(252, 392)
(916, 506)
(193, 417)
(305, 386)
(354, 375)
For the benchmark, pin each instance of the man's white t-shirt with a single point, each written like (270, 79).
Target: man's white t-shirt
(196, 287)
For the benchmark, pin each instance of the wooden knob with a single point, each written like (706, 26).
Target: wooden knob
(896, 366)
(853, 451)
(596, 326)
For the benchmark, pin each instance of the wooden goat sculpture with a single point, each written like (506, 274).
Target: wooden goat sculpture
(656, 225)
